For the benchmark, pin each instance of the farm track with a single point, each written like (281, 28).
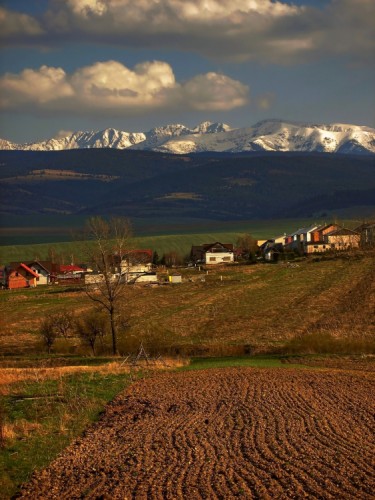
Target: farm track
(221, 434)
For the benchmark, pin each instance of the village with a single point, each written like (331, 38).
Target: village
(138, 266)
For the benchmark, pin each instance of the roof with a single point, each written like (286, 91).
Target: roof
(26, 268)
(208, 246)
(343, 232)
(70, 268)
(139, 256)
(13, 266)
(325, 226)
(148, 251)
(47, 265)
(365, 225)
(304, 230)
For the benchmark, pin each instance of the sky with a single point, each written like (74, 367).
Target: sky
(69, 65)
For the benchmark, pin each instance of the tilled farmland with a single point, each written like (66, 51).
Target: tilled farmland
(255, 433)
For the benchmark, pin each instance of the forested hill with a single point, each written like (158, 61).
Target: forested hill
(211, 186)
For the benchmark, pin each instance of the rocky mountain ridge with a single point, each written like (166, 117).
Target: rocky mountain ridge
(267, 135)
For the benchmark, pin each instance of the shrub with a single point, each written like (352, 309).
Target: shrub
(326, 343)
(91, 327)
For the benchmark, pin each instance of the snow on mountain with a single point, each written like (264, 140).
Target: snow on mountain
(157, 137)
(267, 135)
(275, 135)
(211, 128)
(108, 138)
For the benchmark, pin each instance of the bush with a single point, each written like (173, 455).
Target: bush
(326, 343)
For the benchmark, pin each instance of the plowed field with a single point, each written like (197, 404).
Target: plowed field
(255, 433)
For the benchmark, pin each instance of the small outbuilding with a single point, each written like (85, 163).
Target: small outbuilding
(175, 278)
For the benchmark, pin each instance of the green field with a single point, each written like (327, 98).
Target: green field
(178, 237)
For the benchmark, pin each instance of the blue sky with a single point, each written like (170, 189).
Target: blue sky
(69, 65)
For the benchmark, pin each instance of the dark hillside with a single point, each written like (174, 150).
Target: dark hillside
(210, 186)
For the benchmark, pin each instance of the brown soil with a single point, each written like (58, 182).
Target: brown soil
(255, 433)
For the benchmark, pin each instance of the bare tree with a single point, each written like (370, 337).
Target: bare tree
(48, 332)
(91, 326)
(106, 244)
(64, 322)
(172, 258)
(248, 246)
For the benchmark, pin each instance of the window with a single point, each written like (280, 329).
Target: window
(212, 259)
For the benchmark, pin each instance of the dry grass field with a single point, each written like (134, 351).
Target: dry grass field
(229, 311)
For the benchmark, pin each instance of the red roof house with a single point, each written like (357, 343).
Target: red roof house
(70, 269)
(20, 276)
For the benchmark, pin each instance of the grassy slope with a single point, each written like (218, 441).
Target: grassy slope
(181, 241)
(40, 417)
(252, 308)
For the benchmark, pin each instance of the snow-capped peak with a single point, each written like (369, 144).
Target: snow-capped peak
(211, 128)
(267, 135)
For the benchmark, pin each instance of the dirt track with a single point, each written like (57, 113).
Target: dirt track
(267, 434)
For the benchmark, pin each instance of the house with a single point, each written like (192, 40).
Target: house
(137, 261)
(300, 239)
(19, 275)
(137, 266)
(271, 251)
(70, 274)
(212, 253)
(70, 269)
(319, 240)
(332, 237)
(46, 270)
(343, 239)
(367, 234)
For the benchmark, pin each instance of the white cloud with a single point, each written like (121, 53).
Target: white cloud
(214, 92)
(40, 87)
(110, 87)
(265, 30)
(85, 8)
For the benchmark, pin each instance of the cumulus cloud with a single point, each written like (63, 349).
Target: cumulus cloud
(40, 87)
(213, 92)
(110, 87)
(266, 30)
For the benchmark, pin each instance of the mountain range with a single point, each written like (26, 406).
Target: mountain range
(266, 136)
